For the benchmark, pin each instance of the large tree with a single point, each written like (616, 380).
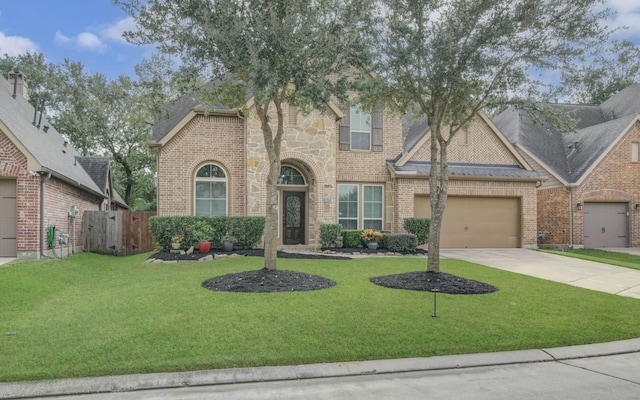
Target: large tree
(100, 117)
(276, 51)
(449, 59)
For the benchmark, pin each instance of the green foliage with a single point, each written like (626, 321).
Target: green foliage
(602, 256)
(98, 315)
(352, 238)
(202, 231)
(247, 231)
(400, 242)
(419, 227)
(371, 235)
(329, 233)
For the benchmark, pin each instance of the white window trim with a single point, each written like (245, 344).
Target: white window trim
(211, 179)
(360, 219)
(351, 131)
(381, 219)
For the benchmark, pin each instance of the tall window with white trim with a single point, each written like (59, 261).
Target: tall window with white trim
(210, 190)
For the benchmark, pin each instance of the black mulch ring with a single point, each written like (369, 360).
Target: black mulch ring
(267, 281)
(430, 281)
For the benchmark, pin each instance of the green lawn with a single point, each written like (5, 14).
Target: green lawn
(603, 256)
(91, 315)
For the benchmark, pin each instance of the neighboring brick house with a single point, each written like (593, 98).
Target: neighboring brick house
(42, 177)
(342, 166)
(592, 195)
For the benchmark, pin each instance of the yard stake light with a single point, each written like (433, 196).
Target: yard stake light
(435, 291)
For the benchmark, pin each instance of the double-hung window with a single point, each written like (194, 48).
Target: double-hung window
(360, 129)
(210, 190)
(360, 206)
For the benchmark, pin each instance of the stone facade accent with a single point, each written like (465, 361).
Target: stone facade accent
(311, 145)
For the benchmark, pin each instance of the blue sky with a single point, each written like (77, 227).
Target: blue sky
(90, 31)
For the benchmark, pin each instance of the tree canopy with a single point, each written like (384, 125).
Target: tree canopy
(276, 52)
(450, 59)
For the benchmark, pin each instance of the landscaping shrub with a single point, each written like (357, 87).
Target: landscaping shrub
(419, 227)
(400, 242)
(247, 231)
(352, 238)
(329, 233)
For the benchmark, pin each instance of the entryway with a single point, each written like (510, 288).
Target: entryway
(293, 217)
(8, 217)
(606, 225)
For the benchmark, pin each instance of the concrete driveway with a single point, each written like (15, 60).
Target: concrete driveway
(572, 271)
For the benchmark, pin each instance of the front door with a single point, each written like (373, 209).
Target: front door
(293, 218)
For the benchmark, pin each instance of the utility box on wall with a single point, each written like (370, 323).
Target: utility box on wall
(121, 233)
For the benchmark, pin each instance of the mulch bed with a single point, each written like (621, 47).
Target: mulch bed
(266, 281)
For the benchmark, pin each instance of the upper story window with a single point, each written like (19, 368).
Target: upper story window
(290, 176)
(361, 130)
(210, 190)
(635, 152)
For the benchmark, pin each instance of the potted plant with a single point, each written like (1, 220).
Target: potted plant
(227, 241)
(371, 237)
(203, 233)
(176, 241)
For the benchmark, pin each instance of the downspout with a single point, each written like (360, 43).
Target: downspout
(570, 190)
(44, 180)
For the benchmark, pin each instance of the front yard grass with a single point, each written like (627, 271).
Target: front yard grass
(602, 256)
(93, 315)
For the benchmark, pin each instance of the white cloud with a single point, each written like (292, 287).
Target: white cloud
(114, 31)
(16, 45)
(84, 41)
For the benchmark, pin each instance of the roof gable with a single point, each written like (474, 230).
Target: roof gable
(45, 148)
(571, 156)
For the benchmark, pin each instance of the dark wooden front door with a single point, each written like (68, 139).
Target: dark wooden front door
(293, 217)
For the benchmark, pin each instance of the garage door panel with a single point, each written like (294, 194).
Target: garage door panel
(476, 221)
(605, 225)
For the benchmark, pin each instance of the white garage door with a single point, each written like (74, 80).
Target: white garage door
(475, 222)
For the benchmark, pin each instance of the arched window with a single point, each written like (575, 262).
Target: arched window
(290, 176)
(211, 190)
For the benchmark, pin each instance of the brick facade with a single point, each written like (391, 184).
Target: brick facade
(310, 144)
(59, 197)
(614, 179)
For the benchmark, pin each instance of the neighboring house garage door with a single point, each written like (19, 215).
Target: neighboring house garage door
(605, 225)
(8, 218)
(476, 221)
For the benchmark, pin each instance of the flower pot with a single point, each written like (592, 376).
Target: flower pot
(176, 246)
(227, 245)
(372, 245)
(204, 247)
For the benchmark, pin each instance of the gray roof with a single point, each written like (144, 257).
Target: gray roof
(173, 113)
(50, 149)
(422, 168)
(570, 155)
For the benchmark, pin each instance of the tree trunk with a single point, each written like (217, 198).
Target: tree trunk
(438, 191)
(272, 145)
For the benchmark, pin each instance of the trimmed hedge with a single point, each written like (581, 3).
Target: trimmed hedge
(419, 227)
(329, 234)
(400, 242)
(247, 231)
(352, 238)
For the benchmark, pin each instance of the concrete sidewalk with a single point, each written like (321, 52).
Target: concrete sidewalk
(573, 271)
(126, 383)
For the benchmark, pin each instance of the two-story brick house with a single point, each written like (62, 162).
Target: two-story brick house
(342, 165)
(44, 181)
(592, 195)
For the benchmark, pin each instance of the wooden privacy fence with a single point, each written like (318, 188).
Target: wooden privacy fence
(121, 233)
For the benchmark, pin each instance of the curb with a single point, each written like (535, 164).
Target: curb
(125, 383)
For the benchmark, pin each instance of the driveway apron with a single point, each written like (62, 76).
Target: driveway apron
(585, 274)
